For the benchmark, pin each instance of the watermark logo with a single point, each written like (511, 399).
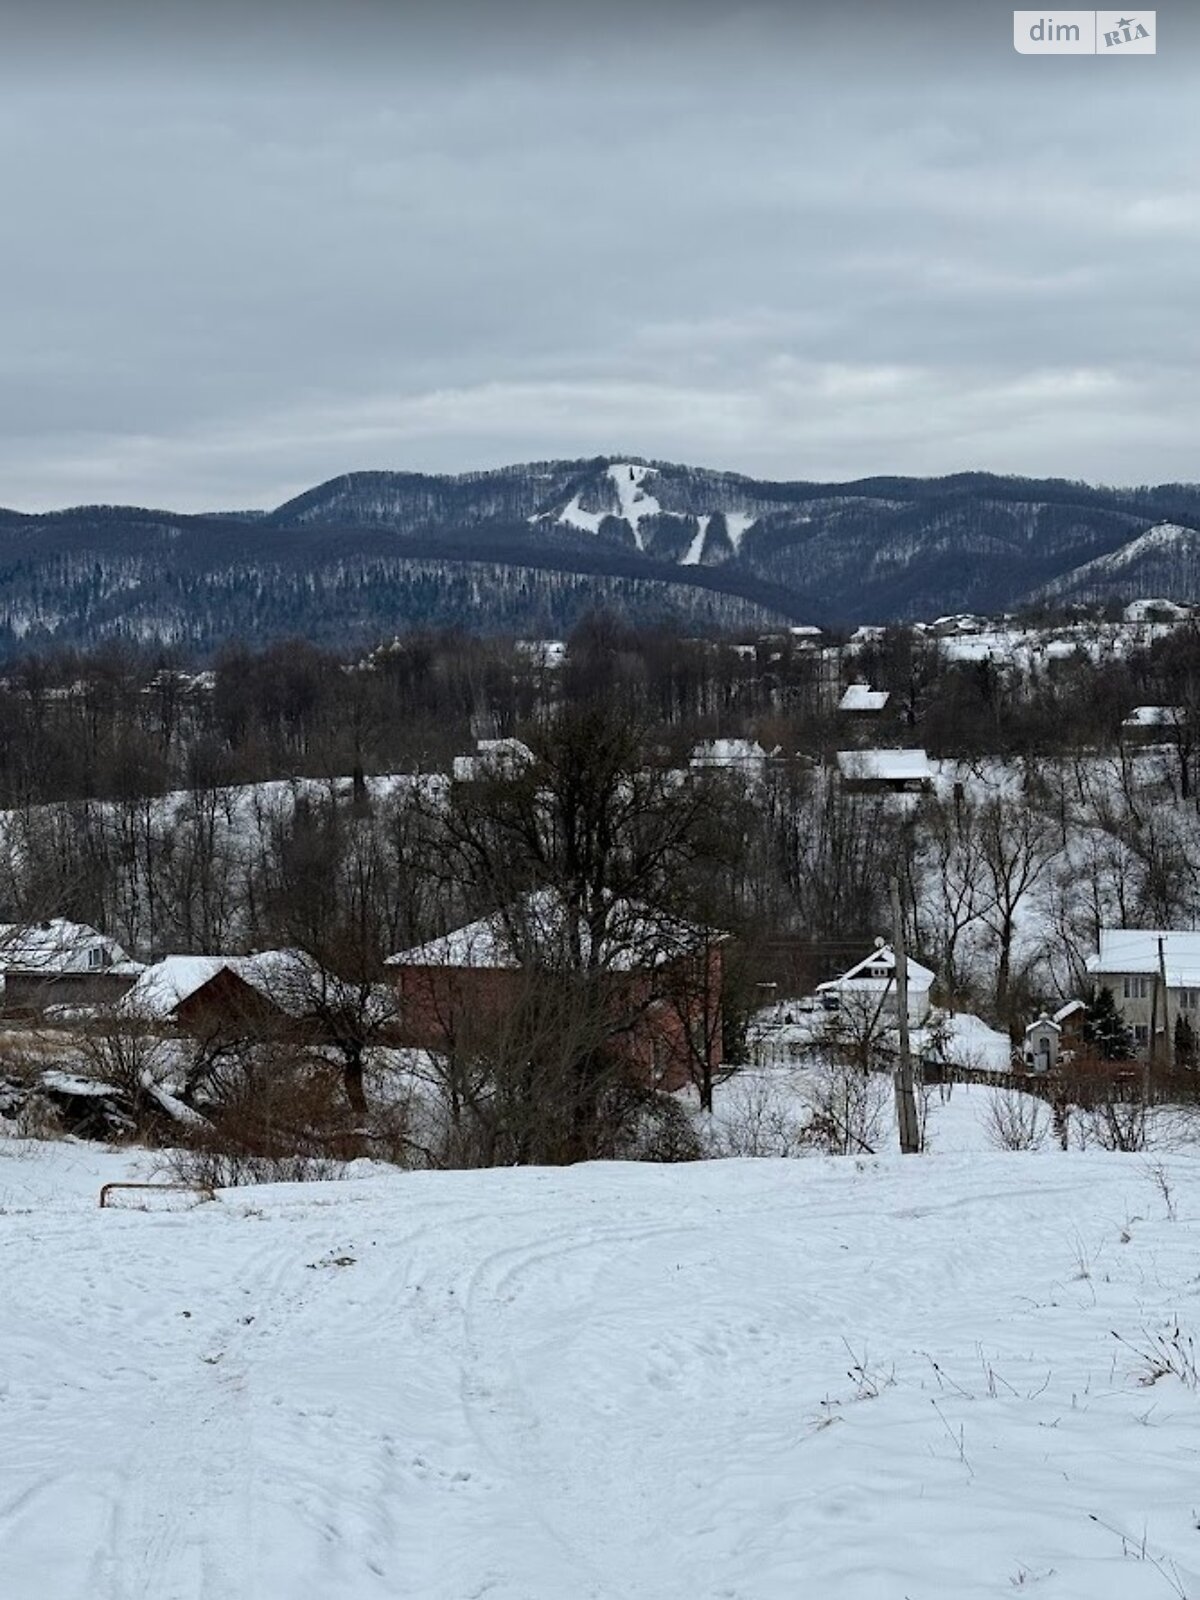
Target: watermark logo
(1084, 33)
(1119, 34)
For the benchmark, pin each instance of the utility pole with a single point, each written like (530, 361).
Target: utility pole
(906, 1100)
(1168, 1035)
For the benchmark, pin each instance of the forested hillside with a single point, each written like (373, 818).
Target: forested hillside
(533, 548)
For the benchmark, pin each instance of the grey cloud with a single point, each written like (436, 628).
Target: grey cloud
(239, 258)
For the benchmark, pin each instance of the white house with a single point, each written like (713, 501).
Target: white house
(1132, 962)
(868, 989)
(1155, 610)
(746, 756)
(963, 622)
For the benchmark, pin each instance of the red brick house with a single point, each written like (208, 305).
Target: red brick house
(660, 979)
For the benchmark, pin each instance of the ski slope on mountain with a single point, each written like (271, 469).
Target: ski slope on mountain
(740, 1380)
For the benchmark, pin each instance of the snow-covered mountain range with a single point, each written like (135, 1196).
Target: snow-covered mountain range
(535, 546)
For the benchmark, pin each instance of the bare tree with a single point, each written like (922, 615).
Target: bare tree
(953, 899)
(1016, 846)
(324, 896)
(583, 854)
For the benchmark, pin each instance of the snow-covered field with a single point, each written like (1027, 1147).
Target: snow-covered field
(742, 1380)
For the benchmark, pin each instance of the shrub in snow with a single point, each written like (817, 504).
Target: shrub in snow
(1016, 1121)
(849, 1109)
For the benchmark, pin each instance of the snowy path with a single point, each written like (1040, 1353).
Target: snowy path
(608, 1383)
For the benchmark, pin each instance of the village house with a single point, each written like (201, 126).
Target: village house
(860, 700)
(661, 978)
(270, 994)
(59, 962)
(204, 996)
(885, 771)
(1154, 976)
(951, 627)
(1152, 725)
(743, 756)
(868, 989)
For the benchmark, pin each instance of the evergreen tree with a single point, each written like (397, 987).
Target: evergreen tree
(1105, 1029)
(1185, 1042)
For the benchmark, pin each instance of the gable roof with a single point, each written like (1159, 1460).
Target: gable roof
(537, 927)
(1155, 717)
(1136, 950)
(285, 978)
(494, 758)
(55, 945)
(886, 766)
(877, 972)
(169, 982)
(728, 753)
(1043, 1022)
(1069, 1010)
(861, 697)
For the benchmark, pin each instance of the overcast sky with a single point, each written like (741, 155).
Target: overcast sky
(239, 257)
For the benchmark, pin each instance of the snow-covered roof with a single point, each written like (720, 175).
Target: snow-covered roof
(634, 936)
(861, 697)
(56, 945)
(728, 753)
(1140, 610)
(886, 766)
(287, 978)
(1154, 717)
(1069, 1010)
(1136, 950)
(805, 630)
(492, 758)
(168, 982)
(1041, 1023)
(877, 972)
(960, 622)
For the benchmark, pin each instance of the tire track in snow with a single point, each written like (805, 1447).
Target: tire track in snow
(500, 1410)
